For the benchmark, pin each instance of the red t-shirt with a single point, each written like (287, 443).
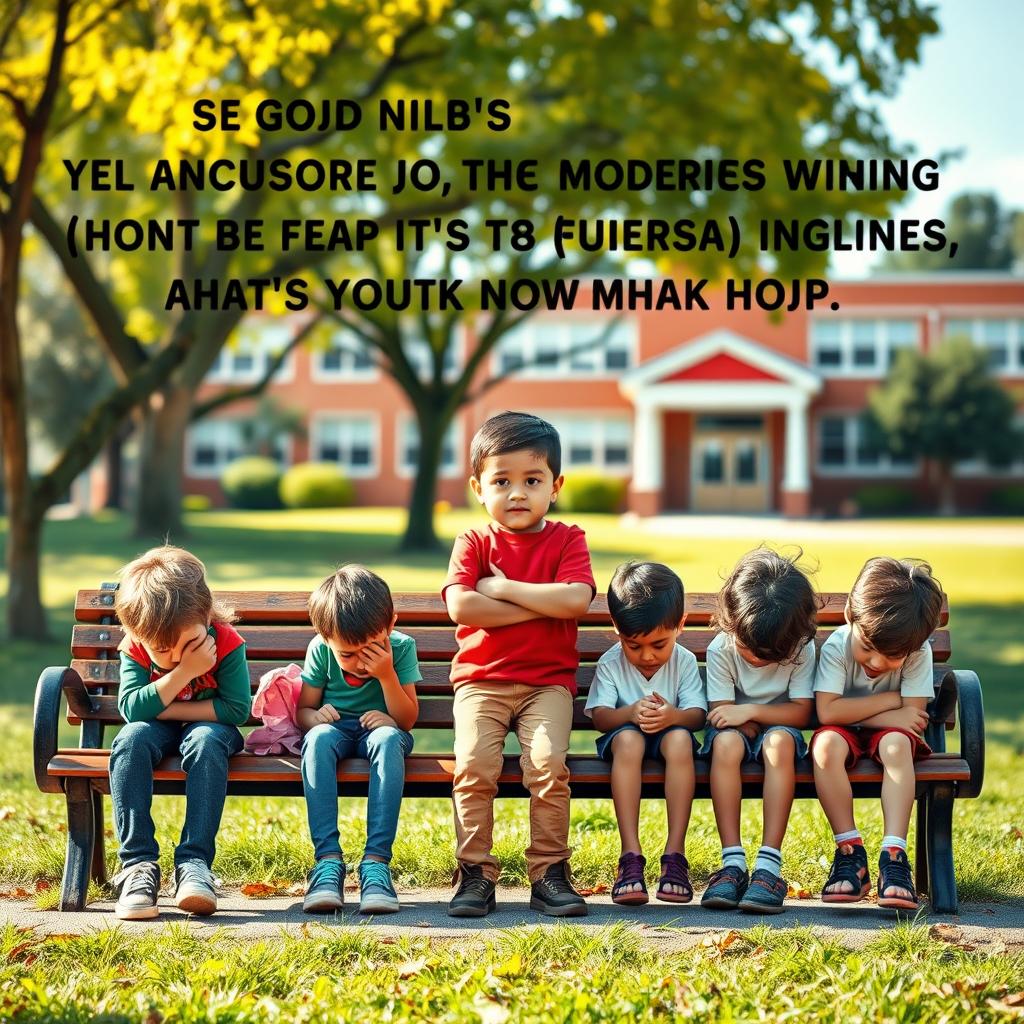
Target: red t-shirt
(539, 652)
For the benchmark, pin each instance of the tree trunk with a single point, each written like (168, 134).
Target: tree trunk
(419, 527)
(947, 493)
(161, 457)
(26, 617)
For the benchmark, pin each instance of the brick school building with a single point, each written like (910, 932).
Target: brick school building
(709, 411)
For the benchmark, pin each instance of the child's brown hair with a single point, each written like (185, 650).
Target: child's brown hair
(768, 605)
(352, 604)
(896, 603)
(163, 592)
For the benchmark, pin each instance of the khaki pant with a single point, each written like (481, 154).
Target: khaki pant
(542, 718)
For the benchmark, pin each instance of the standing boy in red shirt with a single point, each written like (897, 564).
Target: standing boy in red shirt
(516, 588)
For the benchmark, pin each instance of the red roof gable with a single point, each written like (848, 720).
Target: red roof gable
(720, 367)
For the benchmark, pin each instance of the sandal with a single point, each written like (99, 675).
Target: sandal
(630, 872)
(894, 873)
(675, 870)
(850, 864)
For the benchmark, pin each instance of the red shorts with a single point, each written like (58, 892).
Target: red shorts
(863, 742)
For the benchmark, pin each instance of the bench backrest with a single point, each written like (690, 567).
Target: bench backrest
(276, 629)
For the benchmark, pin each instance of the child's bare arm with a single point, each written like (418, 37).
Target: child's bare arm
(912, 716)
(835, 710)
(606, 719)
(470, 608)
(551, 600)
(795, 713)
(308, 711)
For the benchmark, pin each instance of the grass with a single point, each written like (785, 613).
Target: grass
(523, 975)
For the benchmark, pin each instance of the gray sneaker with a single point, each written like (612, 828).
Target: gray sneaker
(194, 890)
(325, 887)
(137, 888)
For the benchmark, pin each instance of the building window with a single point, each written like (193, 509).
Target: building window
(212, 444)
(350, 441)
(347, 357)
(859, 348)
(567, 348)
(594, 442)
(982, 467)
(247, 357)
(1002, 338)
(848, 444)
(409, 448)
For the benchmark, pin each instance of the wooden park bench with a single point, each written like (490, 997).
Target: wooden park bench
(276, 630)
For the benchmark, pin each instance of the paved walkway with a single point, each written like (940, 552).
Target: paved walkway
(995, 927)
(776, 528)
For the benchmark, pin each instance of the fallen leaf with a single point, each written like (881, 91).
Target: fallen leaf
(411, 968)
(260, 891)
(42, 885)
(596, 891)
(945, 933)
(16, 952)
(720, 943)
(424, 924)
(797, 892)
(1017, 999)
(1005, 1007)
(16, 894)
(6, 812)
(386, 941)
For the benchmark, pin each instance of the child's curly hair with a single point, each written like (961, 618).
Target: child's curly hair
(897, 604)
(163, 592)
(768, 605)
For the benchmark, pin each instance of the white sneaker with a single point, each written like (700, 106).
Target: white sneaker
(137, 889)
(194, 890)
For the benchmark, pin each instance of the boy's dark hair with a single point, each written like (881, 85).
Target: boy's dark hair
(352, 605)
(768, 605)
(516, 432)
(897, 604)
(644, 596)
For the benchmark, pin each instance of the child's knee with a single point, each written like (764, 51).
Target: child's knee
(628, 745)
(895, 748)
(677, 746)
(830, 751)
(778, 746)
(728, 747)
(134, 742)
(319, 741)
(384, 742)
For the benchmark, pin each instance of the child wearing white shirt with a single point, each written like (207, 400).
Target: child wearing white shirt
(760, 671)
(647, 698)
(873, 684)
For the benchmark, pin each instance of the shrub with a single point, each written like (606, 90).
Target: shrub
(590, 491)
(252, 482)
(316, 485)
(884, 499)
(1007, 500)
(196, 503)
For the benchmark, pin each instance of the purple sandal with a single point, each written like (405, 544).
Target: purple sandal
(630, 872)
(675, 870)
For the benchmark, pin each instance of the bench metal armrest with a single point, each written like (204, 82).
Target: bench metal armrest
(971, 715)
(53, 681)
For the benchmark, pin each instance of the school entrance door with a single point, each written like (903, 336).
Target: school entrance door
(730, 462)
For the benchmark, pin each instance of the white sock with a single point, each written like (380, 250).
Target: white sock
(769, 859)
(734, 856)
(890, 841)
(846, 837)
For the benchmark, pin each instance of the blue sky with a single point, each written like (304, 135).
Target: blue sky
(966, 93)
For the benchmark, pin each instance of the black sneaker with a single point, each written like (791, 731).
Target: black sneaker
(894, 873)
(554, 895)
(475, 895)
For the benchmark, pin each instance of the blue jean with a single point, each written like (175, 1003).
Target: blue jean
(136, 751)
(386, 748)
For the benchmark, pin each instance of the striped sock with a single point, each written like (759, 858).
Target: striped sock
(894, 843)
(734, 856)
(769, 859)
(851, 838)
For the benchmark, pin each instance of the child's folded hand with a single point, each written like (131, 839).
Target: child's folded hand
(654, 717)
(914, 719)
(376, 719)
(327, 713)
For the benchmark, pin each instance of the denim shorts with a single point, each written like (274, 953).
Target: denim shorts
(754, 746)
(652, 741)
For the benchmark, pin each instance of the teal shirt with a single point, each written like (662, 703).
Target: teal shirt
(322, 671)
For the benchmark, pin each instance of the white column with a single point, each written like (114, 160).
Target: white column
(647, 444)
(796, 470)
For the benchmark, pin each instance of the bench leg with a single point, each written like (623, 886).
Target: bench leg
(921, 846)
(81, 831)
(99, 854)
(940, 848)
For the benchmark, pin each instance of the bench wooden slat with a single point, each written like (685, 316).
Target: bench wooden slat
(419, 609)
(426, 768)
(432, 643)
